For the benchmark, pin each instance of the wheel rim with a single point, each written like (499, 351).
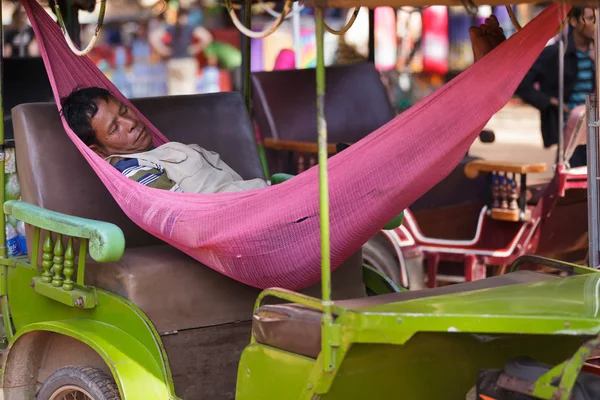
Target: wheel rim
(71, 392)
(373, 262)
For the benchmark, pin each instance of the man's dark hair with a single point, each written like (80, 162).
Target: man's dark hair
(80, 107)
(577, 12)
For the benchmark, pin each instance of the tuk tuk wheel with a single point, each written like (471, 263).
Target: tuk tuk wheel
(79, 383)
(379, 256)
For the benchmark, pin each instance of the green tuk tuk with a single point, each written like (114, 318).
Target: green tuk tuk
(102, 310)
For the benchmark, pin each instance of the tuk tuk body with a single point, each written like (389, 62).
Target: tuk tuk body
(104, 309)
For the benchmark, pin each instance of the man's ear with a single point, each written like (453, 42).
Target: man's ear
(98, 150)
(573, 22)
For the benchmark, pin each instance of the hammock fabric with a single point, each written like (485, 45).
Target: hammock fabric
(270, 237)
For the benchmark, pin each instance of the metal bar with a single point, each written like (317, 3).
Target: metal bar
(592, 178)
(592, 156)
(83, 245)
(246, 44)
(523, 194)
(296, 34)
(371, 35)
(561, 98)
(246, 56)
(328, 362)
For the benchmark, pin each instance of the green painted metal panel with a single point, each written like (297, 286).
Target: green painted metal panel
(136, 371)
(438, 365)
(268, 373)
(573, 298)
(124, 323)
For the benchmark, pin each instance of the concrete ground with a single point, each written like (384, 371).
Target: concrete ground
(518, 138)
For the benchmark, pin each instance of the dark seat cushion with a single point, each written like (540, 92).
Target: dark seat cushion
(356, 103)
(177, 292)
(297, 329)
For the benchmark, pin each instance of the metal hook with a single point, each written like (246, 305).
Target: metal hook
(470, 7)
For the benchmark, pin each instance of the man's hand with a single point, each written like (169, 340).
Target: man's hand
(554, 102)
(485, 37)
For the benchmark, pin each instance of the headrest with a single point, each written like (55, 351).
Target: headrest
(356, 103)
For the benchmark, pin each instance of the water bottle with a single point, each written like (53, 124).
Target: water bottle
(22, 237)
(211, 80)
(12, 241)
(119, 76)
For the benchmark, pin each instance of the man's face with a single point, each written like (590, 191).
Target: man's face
(119, 130)
(586, 23)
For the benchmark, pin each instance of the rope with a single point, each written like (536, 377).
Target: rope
(276, 14)
(513, 18)
(92, 42)
(346, 27)
(258, 35)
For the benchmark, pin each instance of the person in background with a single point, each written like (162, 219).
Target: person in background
(19, 40)
(180, 52)
(579, 73)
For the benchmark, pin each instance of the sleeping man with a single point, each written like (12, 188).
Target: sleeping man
(116, 133)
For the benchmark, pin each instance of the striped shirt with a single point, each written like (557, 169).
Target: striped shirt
(584, 83)
(152, 176)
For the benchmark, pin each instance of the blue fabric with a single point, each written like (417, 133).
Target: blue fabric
(584, 83)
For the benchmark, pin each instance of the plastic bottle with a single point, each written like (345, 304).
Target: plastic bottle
(22, 237)
(119, 76)
(12, 241)
(211, 79)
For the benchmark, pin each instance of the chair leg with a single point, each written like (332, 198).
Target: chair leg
(501, 270)
(474, 270)
(433, 260)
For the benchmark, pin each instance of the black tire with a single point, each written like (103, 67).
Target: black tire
(89, 382)
(379, 256)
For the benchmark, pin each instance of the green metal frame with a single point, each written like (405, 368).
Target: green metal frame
(388, 345)
(408, 328)
(120, 333)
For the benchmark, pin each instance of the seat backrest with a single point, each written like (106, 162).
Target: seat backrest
(54, 175)
(356, 103)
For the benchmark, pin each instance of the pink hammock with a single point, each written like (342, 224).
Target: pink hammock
(270, 237)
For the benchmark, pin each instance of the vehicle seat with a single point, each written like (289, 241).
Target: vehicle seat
(174, 290)
(297, 329)
(356, 104)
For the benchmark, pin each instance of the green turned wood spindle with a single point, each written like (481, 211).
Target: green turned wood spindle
(58, 260)
(47, 256)
(69, 264)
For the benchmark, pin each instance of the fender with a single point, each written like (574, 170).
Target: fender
(136, 371)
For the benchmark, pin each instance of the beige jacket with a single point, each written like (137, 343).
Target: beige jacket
(194, 169)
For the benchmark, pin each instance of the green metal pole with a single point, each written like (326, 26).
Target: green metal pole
(328, 329)
(247, 45)
(2, 156)
(8, 328)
